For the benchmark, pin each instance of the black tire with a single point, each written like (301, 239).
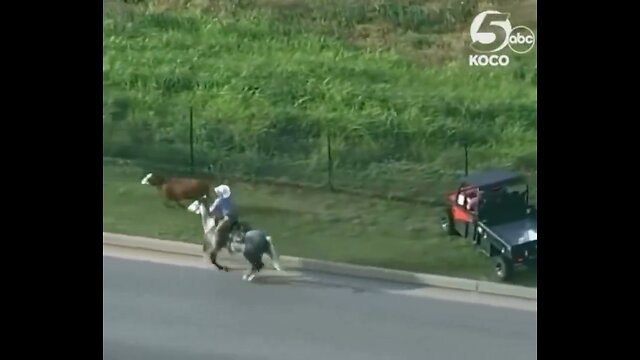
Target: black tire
(503, 267)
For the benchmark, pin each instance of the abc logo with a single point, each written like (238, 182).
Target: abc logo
(521, 39)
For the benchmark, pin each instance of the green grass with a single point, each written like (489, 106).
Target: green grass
(269, 79)
(307, 224)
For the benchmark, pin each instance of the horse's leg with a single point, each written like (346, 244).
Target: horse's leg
(255, 269)
(273, 254)
(252, 272)
(275, 260)
(254, 259)
(221, 239)
(213, 255)
(206, 245)
(250, 275)
(211, 247)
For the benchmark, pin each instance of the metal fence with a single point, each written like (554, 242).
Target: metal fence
(316, 161)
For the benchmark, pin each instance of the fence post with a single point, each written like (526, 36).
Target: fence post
(329, 163)
(191, 159)
(466, 160)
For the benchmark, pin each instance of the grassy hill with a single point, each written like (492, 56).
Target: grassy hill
(269, 79)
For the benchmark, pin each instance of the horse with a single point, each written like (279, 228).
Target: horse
(239, 237)
(253, 244)
(177, 189)
(213, 243)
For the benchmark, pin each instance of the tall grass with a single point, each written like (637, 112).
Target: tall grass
(266, 92)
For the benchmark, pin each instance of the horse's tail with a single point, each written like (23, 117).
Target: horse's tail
(275, 258)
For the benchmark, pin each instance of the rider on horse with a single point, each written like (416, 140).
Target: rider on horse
(223, 210)
(235, 236)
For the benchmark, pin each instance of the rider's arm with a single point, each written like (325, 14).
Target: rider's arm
(215, 205)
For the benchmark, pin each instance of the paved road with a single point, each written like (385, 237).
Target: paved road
(158, 311)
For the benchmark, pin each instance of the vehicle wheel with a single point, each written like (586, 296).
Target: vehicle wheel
(503, 268)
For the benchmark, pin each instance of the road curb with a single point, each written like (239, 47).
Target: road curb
(487, 287)
(370, 272)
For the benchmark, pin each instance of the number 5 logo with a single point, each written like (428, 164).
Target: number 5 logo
(490, 31)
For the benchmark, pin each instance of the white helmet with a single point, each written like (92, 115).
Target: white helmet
(223, 191)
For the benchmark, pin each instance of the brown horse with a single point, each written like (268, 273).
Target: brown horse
(177, 189)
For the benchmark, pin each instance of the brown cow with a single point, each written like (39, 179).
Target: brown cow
(177, 189)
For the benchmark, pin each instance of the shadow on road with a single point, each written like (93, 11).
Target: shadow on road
(320, 280)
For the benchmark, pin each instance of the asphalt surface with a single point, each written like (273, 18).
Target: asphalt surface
(158, 311)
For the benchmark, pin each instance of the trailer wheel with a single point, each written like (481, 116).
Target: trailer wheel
(503, 267)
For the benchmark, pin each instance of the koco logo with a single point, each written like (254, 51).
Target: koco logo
(491, 31)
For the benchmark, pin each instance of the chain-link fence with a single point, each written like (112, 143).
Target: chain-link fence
(178, 142)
